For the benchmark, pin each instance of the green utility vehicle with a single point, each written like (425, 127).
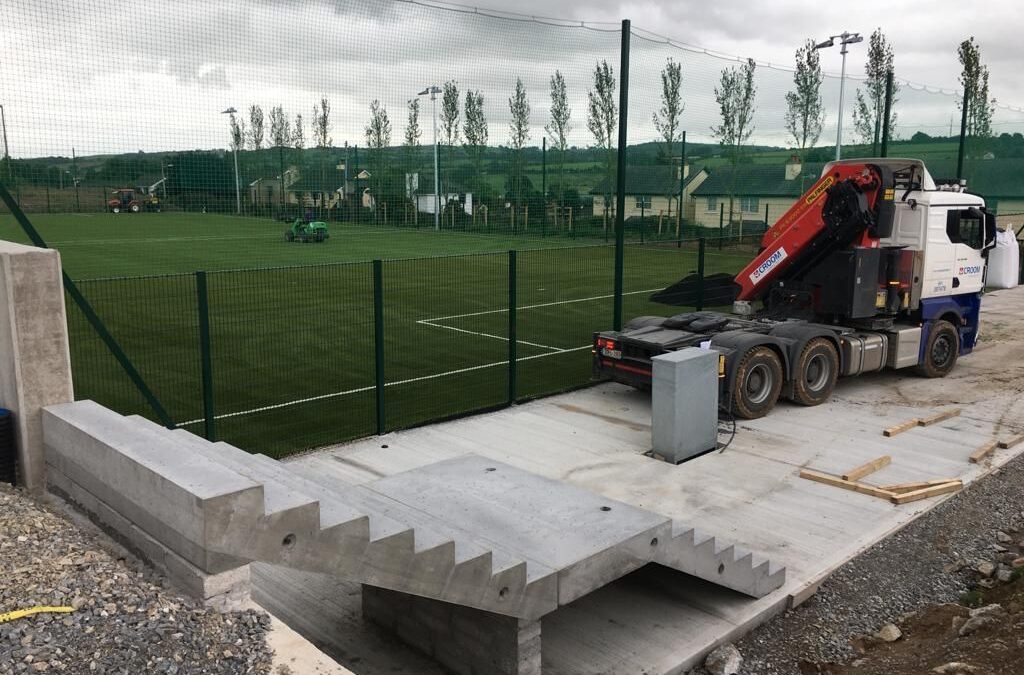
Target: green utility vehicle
(306, 232)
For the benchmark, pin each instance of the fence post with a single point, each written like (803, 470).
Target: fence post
(682, 189)
(965, 102)
(205, 356)
(544, 185)
(766, 216)
(512, 321)
(378, 340)
(721, 224)
(700, 274)
(620, 177)
(888, 113)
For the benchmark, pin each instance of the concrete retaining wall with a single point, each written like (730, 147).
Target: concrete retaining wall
(468, 641)
(35, 364)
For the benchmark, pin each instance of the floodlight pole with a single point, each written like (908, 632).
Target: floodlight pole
(845, 38)
(238, 190)
(434, 90)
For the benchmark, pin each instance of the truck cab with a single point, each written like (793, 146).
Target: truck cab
(877, 266)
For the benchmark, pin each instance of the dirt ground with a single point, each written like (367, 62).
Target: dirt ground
(931, 640)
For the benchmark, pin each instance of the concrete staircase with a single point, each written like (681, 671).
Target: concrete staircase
(468, 531)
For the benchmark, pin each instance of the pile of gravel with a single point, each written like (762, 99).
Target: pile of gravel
(124, 620)
(932, 560)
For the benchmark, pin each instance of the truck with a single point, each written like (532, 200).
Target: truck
(876, 266)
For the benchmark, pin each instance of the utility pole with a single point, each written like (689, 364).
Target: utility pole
(844, 38)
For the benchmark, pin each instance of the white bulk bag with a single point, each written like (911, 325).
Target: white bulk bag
(1004, 261)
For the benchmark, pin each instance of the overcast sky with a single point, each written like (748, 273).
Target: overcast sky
(124, 75)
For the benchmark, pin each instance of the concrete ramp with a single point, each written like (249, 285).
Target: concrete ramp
(468, 531)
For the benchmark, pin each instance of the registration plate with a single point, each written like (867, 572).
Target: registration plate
(611, 353)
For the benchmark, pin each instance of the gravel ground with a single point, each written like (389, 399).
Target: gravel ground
(125, 620)
(930, 561)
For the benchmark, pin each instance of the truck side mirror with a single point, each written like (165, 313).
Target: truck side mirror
(990, 232)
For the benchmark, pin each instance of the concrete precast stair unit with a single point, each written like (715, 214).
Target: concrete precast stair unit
(467, 531)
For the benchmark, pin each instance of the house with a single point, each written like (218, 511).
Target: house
(314, 192)
(651, 190)
(265, 191)
(761, 192)
(420, 187)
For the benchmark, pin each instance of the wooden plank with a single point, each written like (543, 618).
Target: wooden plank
(934, 419)
(1010, 442)
(915, 485)
(900, 428)
(925, 493)
(866, 468)
(836, 481)
(983, 452)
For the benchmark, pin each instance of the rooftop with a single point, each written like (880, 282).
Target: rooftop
(649, 180)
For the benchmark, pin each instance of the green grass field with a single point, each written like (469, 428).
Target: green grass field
(292, 345)
(101, 245)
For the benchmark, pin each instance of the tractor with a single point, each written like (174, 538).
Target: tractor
(126, 199)
(305, 231)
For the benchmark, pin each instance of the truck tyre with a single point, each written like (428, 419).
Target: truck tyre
(757, 384)
(941, 350)
(816, 372)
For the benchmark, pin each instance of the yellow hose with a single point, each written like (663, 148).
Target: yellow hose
(21, 613)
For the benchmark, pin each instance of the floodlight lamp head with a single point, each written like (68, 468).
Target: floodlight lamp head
(856, 37)
(228, 111)
(827, 43)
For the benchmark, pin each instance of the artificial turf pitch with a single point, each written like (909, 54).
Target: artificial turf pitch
(292, 325)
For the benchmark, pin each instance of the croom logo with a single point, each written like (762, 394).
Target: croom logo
(970, 269)
(766, 266)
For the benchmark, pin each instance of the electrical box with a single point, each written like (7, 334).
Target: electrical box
(684, 403)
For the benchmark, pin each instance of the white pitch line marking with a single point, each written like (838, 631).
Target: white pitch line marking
(488, 335)
(396, 383)
(541, 304)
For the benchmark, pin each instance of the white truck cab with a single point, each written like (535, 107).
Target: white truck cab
(948, 225)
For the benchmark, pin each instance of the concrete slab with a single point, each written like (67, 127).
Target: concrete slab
(587, 540)
(658, 621)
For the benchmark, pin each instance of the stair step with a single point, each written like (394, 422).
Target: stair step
(277, 497)
(335, 507)
(428, 529)
(723, 563)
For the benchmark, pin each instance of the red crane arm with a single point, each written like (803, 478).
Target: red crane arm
(799, 226)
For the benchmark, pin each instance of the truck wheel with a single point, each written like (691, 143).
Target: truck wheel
(817, 370)
(758, 383)
(941, 350)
